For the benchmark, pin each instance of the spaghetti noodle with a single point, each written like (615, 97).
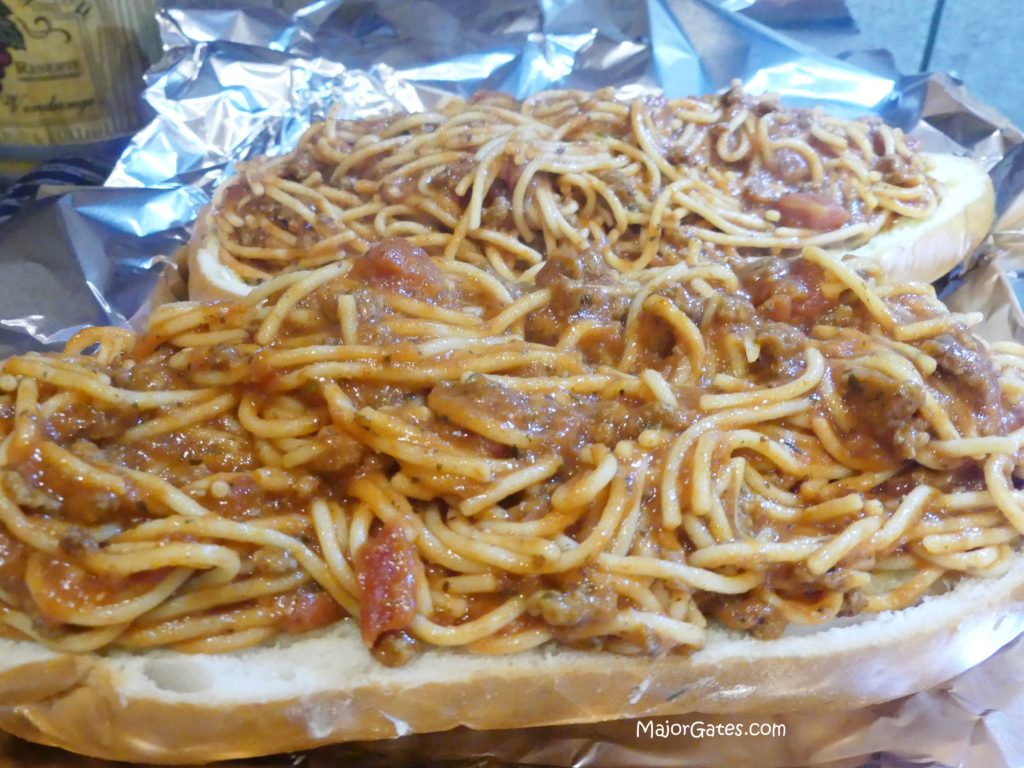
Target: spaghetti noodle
(506, 184)
(599, 459)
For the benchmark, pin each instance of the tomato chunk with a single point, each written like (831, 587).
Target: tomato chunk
(397, 266)
(306, 611)
(786, 290)
(388, 567)
(810, 210)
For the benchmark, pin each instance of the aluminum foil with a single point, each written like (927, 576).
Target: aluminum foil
(90, 257)
(240, 79)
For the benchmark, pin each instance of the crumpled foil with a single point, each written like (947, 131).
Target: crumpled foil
(240, 79)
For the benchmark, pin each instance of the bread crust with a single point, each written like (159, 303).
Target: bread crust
(208, 279)
(163, 707)
(923, 251)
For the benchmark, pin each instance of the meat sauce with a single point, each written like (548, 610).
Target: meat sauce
(966, 374)
(789, 301)
(777, 307)
(78, 588)
(785, 183)
(787, 173)
(785, 290)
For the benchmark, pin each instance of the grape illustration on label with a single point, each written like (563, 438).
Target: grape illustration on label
(11, 39)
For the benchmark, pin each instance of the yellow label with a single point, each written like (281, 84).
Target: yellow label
(71, 69)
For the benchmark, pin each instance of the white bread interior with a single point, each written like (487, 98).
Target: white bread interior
(912, 250)
(209, 279)
(161, 706)
(924, 250)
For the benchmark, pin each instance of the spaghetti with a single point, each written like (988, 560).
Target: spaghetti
(600, 459)
(504, 184)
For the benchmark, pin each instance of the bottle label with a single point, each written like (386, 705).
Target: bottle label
(70, 70)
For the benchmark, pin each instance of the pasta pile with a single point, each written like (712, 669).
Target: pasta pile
(592, 456)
